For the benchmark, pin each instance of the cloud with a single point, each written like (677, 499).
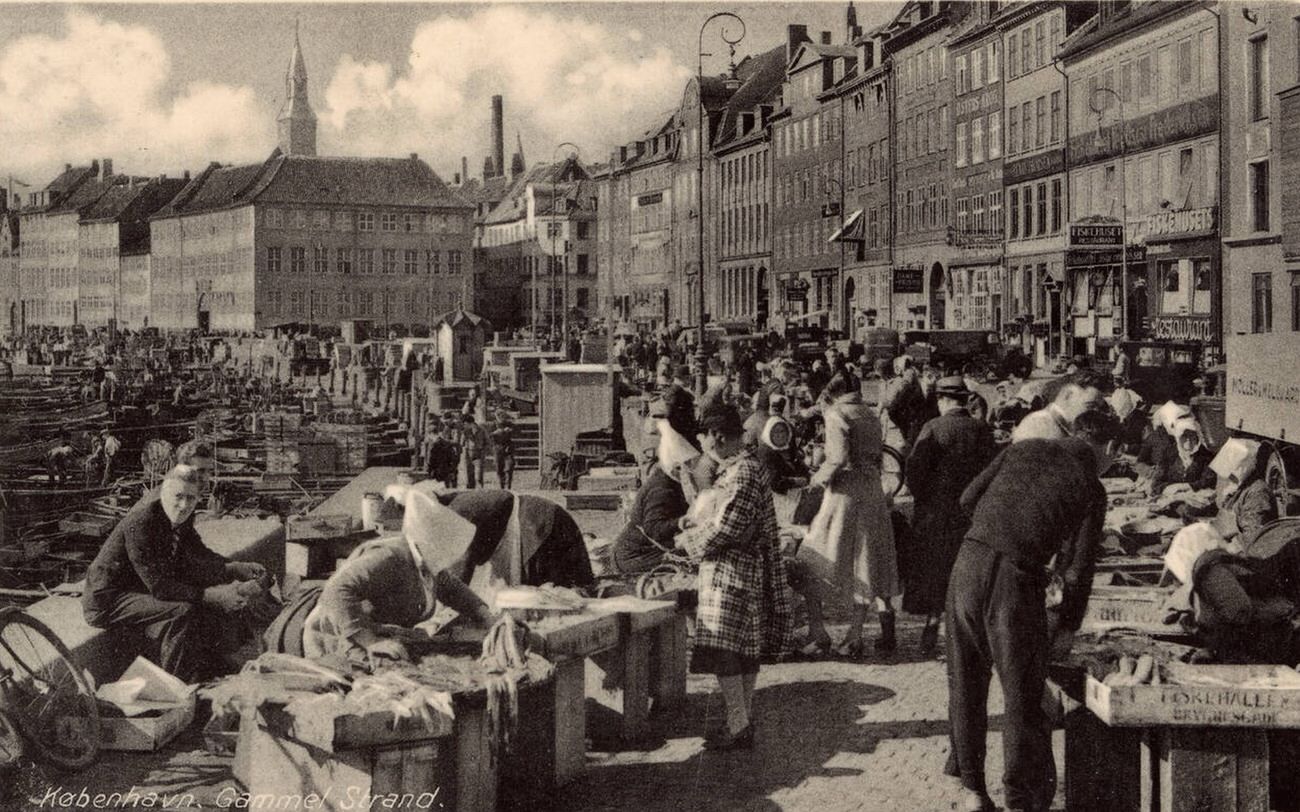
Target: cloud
(99, 90)
(563, 79)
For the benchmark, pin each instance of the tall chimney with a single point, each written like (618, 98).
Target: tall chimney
(464, 169)
(498, 138)
(826, 38)
(105, 168)
(795, 35)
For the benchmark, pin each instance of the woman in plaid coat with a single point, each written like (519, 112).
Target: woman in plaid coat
(744, 607)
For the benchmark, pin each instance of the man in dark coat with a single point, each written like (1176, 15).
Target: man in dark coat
(155, 575)
(1039, 500)
(949, 452)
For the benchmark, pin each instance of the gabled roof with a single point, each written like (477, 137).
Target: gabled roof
(313, 180)
(455, 317)
(568, 173)
(818, 50)
(761, 84)
(83, 197)
(1126, 20)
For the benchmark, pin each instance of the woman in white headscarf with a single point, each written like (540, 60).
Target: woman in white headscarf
(1242, 496)
(1186, 459)
(661, 501)
(394, 583)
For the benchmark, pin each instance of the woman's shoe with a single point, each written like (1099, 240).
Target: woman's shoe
(929, 638)
(819, 649)
(854, 649)
(888, 641)
(744, 740)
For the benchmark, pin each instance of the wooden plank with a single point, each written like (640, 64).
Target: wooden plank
(1198, 705)
(1138, 608)
(476, 761)
(619, 682)
(570, 720)
(566, 636)
(668, 659)
(528, 769)
(1213, 770)
(1102, 765)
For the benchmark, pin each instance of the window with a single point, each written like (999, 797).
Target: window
(977, 69)
(1027, 126)
(1261, 303)
(1013, 132)
(962, 208)
(995, 212)
(1056, 205)
(410, 261)
(961, 144)
(321, 259)
(1257, 66)
(1055, 38)
(1145, 85)
(582, 229)
(1259, 213)
(1295, 298)
(410, 222)
(993, 67)
(1165, 74)
(962, 80)
(1013, 209)
(943, 131)
(1027, 210)
(583, 264)
(995, 134)
(977, 141)
(389, 259)
(1040, 43)
(297, 260)
(1040, 138)
(977, 214)
(1042, 209)
(343, 260)
(1013, 56)
(272, 260)
(274, 218)
(388, 221)
(453, 262)
(320, 220)
(365, 221)
(1202, 286)
(1186, 68)
(1056, 117)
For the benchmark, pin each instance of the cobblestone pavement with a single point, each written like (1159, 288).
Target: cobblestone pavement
(832, 736)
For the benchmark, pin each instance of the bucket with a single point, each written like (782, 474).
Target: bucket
(372, 505)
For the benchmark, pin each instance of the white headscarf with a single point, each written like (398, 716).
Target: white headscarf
(673, 451)
(1188, 546)
(1236, 459)
(1182, 426)
(1167, 415)
(766, 437)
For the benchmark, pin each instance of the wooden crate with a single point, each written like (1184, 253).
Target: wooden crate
(1200, 705)
(1128, 607)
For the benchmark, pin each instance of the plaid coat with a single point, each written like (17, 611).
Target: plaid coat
(745, 603)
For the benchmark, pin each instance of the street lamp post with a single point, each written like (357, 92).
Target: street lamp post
(701, 357)
(1123, 192)
(839, 273)
(563, 266)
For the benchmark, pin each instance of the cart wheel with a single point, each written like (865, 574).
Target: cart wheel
(11, 742)
(44, 695)
(1275, 476)
(892, 468)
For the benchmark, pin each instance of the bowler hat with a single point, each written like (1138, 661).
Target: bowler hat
(952, 386)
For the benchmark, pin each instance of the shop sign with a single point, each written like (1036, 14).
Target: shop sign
(909, 280)
(1086, 257)
(1182, 328)
(1144, 132)
(974, 239)
(1035, 166)
(650, 199)
(1172, 224)
(796, 290)
(1099, 235)
(822, 273)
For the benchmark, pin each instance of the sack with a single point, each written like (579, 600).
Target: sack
(284, 635)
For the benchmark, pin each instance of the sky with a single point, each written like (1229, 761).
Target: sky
(161, 88)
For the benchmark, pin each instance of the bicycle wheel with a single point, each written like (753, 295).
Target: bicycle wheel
(892, 471)
(45, 695)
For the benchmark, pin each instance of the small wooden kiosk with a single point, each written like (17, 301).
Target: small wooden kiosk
(576, 398)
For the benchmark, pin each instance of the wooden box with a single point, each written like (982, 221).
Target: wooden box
(307, 528)
(1128, 607)
(1201, 705)
(145, 733)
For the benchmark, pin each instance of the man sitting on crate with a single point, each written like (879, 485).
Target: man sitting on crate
(155, 576)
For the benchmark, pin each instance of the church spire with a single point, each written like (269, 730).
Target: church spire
(297, 122)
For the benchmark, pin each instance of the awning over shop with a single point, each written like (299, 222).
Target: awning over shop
(852, 230)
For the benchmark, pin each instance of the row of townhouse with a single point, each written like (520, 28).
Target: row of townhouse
(1055, 173)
